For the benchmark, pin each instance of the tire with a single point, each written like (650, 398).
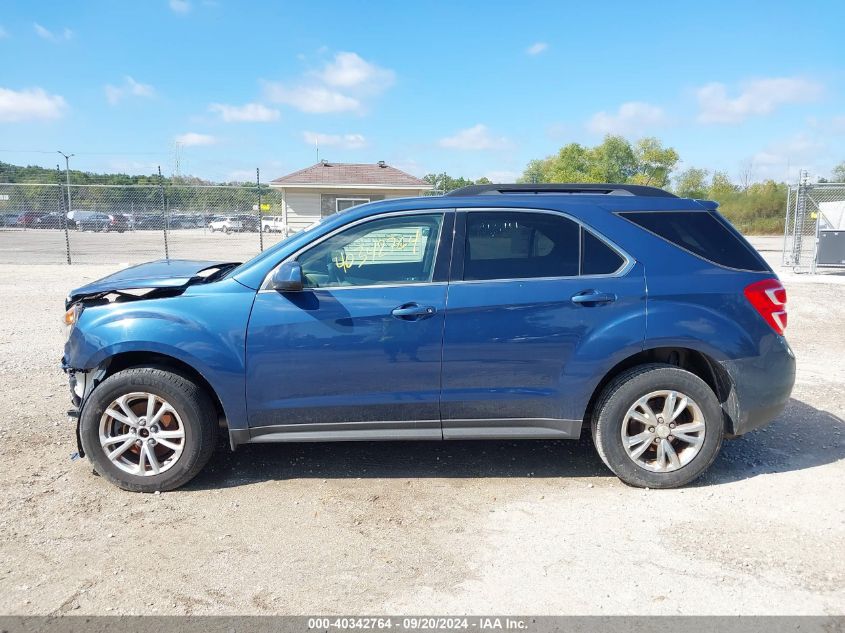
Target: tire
(191, 412)
(657, 381)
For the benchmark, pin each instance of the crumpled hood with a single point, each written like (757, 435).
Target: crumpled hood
(164, 274)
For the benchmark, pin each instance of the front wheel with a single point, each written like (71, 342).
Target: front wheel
(658, 426)
(147, 429)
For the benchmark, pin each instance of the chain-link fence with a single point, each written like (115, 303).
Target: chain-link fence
(51, 223)
(815, 220)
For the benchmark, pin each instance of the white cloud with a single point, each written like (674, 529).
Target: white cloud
(180, 6)
(785, 158)
(477, 137)
(341, 85)
(631, 118)
(47, 34)
(138, 89)
(312, 99)
(536, 48)
(347, 141)
(351, 71)
(756, 98)
(30, 104)
(798, 148)
(113, 94)
(247, 113)
(129, 87)
(190, 139)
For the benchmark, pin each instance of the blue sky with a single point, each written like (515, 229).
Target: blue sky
(474, 89)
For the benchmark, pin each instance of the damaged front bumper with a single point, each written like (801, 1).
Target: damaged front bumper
(81, 383)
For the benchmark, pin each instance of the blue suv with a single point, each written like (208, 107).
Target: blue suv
(495, 312)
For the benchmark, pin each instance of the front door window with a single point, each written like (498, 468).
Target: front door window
(391, 250)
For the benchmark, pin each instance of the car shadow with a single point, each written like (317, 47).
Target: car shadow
(801, 437)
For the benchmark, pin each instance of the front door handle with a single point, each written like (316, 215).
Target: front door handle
(413, 311)
(592, 298)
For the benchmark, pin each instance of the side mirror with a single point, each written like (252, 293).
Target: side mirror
(288, 277)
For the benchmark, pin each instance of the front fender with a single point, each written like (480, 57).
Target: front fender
(203, 329)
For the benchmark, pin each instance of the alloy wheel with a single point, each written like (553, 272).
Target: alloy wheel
(142, 434)
(663, 431)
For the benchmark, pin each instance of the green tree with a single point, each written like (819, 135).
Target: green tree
(535, 171)
(838, 173)
(721, 186)
(654, 162)
(613, 160)
(445, 183)
(692, 183)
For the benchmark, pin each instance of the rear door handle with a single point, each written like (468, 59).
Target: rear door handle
(413, 311)
(591, 297)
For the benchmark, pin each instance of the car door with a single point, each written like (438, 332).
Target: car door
(356, 354)
(538, 304)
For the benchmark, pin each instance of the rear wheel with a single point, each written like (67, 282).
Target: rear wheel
(147, 429)
(658, 426)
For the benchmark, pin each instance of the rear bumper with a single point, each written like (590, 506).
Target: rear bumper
(761, 386)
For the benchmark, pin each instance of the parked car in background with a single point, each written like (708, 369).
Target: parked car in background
(28, 219)
(115, 222)
(249, 223)
(53, 220)
(186, 221)
(92, 222)
(493, 312)
(273, 224)
(149, 222)
(8, 219)
(225, 224)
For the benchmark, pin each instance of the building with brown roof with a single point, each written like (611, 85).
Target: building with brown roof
(326, 188)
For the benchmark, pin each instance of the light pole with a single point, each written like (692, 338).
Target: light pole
(69, 208)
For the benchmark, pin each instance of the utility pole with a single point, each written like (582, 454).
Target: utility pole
(164, 213)
(260, 228)
(69, 207)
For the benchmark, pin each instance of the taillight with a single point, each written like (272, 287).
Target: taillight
(769, 299)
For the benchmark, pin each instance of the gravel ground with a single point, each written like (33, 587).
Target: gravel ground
(47, 246)
(465, 527)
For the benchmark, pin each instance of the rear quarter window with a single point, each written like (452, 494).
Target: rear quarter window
(597, 258)
(701, 233)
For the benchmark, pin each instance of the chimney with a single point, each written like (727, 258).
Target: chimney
(381, 163)
(324, 163)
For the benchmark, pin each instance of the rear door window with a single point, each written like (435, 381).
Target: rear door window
(525, 245)
(702, 234)
(520, 245)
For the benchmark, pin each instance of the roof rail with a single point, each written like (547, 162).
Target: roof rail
(563, 188)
